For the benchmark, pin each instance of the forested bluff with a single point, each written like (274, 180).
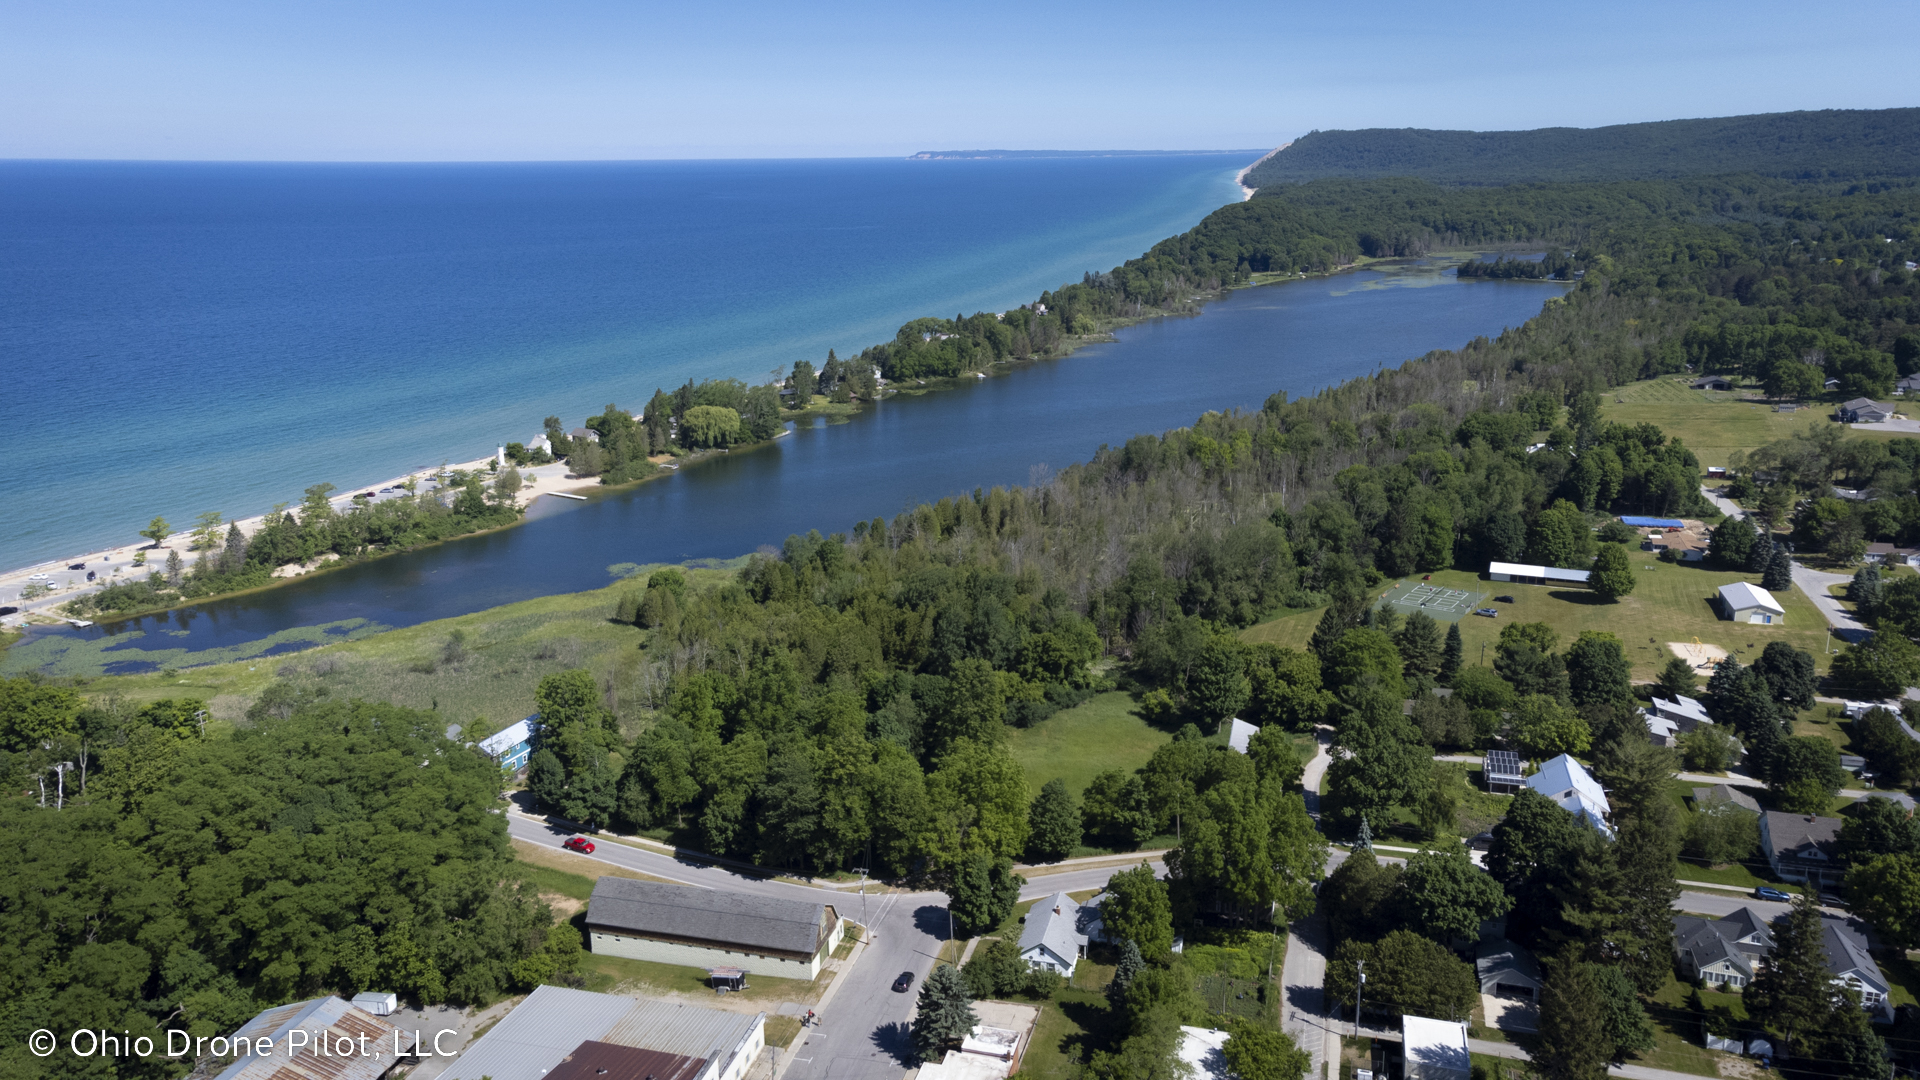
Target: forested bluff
(861, 686)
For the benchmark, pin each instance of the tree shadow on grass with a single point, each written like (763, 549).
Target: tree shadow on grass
(1581, 597)
(1097, 1030)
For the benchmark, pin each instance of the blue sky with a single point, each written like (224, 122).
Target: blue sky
(588, 79)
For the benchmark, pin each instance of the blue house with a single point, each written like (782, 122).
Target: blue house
(512, 747)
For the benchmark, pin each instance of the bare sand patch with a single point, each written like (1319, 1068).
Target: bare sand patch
(1701, 656)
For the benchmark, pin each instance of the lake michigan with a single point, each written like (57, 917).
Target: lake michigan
(181, 338)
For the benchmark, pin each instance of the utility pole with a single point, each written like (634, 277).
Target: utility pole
(1357, 991)
(863, 898)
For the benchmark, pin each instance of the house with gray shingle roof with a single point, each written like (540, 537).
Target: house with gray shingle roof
(1709, 799)
(1053, 937)
(1854, 968)
(1801, 847)
(1722, 951)
(708, 928)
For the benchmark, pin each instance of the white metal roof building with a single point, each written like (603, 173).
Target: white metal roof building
(1435, 1049)
(1569, 784)
(554, 1022)
(1746, 603)
(1530, 574)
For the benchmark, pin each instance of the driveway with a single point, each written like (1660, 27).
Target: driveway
(1725, 506)
(1814, 584)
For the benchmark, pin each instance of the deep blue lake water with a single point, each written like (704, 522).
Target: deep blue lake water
(1298, 337)
(180, 338)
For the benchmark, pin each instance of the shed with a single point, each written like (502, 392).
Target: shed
(1711, 382)
(1744, 603)
(1435, 1049)
(1529, 574)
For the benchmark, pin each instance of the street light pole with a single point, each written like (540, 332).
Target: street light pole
(1357, 991)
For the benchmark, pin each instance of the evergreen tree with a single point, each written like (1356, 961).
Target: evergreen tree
(1792, 995)
(1760, 555)
(803, 384)
(174, 568)
(1646, 851)
(1452, 655)
(1420, 645)
(1053, 823)
(1779, 573)
(1334, 623)
(1621, 1017)
(1676, 679)
(1574, 1042)
(1131, 962)
(1866, 590)
(945, 1015)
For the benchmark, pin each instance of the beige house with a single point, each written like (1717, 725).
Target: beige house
(706, 928)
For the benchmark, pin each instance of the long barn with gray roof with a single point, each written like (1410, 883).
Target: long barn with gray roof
(708, 928)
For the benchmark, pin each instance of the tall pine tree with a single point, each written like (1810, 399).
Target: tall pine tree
(1451, 654)
(945, 1015)
(1793, 993)
(1574, 1042)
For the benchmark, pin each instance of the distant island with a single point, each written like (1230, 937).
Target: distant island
(984, 155)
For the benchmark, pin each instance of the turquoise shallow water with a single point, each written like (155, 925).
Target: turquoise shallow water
(190, 337)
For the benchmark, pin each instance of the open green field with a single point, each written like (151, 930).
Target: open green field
(1671, 603)
(1713, 424)
(1077, 744)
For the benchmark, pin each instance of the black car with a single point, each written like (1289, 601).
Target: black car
(1503, 600)
(902, 984)
(77, 566)
(8, 610)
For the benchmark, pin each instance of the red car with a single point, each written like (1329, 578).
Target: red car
(580, 844)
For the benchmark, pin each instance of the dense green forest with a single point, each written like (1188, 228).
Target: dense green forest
(1848, 143)
(861, 688)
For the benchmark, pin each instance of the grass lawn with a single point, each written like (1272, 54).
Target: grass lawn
(1712, 424)
(1669, 604)
(1903, 975)
(1676, 1029)
(1078, 743)
(1292, 630)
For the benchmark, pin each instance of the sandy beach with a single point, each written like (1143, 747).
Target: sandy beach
(115, 565)
(1241, 176)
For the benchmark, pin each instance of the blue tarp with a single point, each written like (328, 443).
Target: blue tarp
(1654, 523)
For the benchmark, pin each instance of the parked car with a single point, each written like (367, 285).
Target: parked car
(77, 566)
(1766, 893)
(580, 844)
(1491, 613)
(904, 983)
(9, 610)
(1504, 600)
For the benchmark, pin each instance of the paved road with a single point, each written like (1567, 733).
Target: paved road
(1304, 972)
(1814, 584)
(862, 1032)
(1725, 506)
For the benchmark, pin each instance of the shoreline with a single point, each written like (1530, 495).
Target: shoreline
(1240, 177)
(551, 479)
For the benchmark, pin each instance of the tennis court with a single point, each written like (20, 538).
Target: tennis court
(1449, 605)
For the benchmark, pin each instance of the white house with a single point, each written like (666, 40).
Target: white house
(1746, 603)
(1053, 938)
(1573, 788)
(1888, 555)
